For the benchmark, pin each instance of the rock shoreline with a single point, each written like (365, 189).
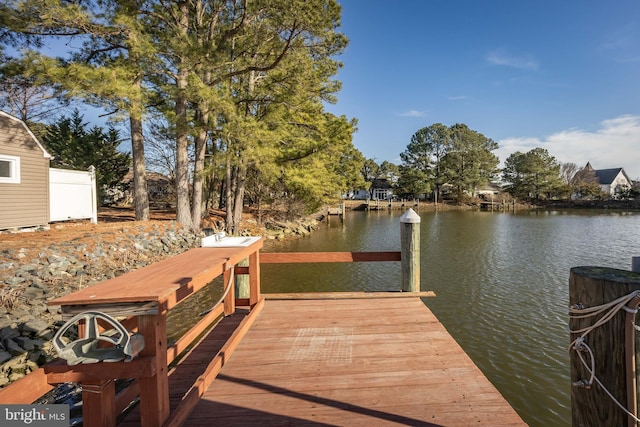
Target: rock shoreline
(29, 278)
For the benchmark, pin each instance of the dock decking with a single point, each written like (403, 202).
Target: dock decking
(351, 362)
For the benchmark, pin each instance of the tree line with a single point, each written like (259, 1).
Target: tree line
(461, 160)
(227, 98)
(232, 92)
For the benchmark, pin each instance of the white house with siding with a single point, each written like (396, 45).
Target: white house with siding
(612, 180)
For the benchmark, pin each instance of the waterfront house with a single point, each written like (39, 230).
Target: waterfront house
(612, 180)
(380, 189)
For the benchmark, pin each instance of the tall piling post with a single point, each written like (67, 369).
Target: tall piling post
(410, 250)
(611, 347)
(242, 281)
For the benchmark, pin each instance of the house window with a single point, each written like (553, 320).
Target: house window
(9, 169)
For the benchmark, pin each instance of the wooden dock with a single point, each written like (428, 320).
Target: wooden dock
(374, 361)
(355, 358)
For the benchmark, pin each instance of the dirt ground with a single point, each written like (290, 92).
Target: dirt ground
(111, 222)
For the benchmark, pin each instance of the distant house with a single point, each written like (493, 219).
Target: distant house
(611, 180)
(24, 176)
(489, 191)
(380, 189)
(160, 188)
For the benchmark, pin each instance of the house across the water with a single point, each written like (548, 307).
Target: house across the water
(611, 180)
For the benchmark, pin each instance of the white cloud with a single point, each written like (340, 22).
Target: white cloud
(502, 57)
(457, 98)
(414, 113)
(616, 143)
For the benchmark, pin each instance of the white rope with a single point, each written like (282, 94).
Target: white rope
(595, 379)
(224, 294)
(579, 345)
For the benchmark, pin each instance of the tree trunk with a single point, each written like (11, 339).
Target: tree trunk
(198, 178)
(238, 202)
(183, 210)
(140, 193)
(228, 196)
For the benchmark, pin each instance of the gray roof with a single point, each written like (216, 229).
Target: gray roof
(606, 176)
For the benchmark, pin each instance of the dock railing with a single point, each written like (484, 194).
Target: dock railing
(142, 298)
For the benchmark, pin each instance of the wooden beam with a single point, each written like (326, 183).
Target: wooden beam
(114, 310)
(59, 372)
(187, 339)
(300, 257)
(99, 403)
(27, 389)
(154, 391)
(126, 396)
(192, 397)
(347, 295)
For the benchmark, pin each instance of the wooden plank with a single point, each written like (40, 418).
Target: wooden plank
(114, 310)
(27, 389)
(350, 362)
(345, 295)
(300, 257)
(59, 372)
(187, 339)
(169, 281)
(126, 396)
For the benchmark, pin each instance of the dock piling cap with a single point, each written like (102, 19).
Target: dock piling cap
(410, 217)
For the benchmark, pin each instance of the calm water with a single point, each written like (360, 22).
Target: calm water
(501, 281)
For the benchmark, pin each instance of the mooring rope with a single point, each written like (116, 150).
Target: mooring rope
(579, 345)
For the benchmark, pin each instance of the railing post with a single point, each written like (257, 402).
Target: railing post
(230, 298)
(410, 250)
(254, 278)
(99, 403)
(635, 264)
(610, 346)
(154, 391)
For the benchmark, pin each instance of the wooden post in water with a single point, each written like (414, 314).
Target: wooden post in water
(410, 251)
(242, 281)
(635, 264)
(590, 404)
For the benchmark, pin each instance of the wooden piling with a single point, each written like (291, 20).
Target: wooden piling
(410, 250)
(635, 264)
(611, 347)
(242, 281)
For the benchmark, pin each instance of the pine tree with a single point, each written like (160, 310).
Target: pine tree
(74, 146)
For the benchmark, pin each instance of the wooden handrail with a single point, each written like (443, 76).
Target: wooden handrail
(36, 384)
(301, 257)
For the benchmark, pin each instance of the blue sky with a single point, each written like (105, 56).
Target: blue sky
(562, 75)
